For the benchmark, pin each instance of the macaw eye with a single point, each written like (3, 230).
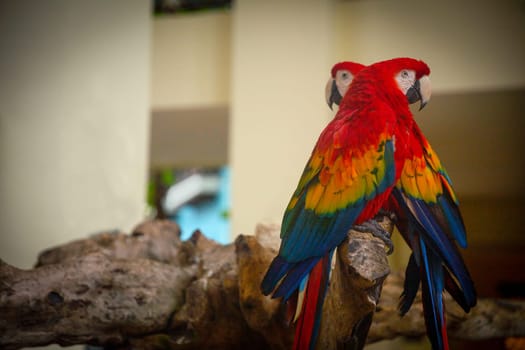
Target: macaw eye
(404, 74)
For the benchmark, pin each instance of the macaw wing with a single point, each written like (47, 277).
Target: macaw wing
(337, 183)
(425, 191)
(351, 164)
(448, 213)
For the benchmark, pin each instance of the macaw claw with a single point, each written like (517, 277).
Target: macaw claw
(378, 231)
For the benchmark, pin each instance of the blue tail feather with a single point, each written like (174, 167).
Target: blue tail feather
(411, 285)
(455, 291)
(439, 242)
(432, 295)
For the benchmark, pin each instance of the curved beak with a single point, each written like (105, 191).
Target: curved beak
(420, 91)
(332, 94)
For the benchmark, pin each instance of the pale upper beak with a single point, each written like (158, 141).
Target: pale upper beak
(420, 91)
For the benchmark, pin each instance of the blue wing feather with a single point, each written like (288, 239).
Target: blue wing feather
(453, 218)
(437, 239)
(307, 233)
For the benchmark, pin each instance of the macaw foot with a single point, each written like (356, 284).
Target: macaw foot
(378, 231)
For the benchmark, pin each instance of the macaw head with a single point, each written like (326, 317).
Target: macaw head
(411, 77)
(342, 75)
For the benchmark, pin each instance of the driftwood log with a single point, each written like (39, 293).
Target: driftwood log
(150, 290)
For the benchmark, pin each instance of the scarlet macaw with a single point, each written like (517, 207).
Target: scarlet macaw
(428, 217)
(352, 171)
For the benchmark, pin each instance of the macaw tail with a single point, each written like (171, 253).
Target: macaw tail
(432, 283)
(436, 265)
(427, 268)
(310, 301)
(303, 287)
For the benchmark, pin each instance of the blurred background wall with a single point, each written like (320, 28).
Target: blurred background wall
(74, 121)
(244, 87)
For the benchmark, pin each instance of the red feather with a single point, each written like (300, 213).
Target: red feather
(312, 305)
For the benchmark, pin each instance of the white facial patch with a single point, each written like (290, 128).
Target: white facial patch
(405, 79)
(343, 78)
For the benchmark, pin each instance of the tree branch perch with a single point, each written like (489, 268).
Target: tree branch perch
(149, 289)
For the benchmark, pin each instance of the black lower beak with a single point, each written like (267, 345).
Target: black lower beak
(335, 96)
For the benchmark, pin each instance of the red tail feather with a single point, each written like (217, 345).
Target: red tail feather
(444, 331)
(305, 334)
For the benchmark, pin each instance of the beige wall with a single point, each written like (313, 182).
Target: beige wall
(73, 121)
(191, 61)
(281, 56)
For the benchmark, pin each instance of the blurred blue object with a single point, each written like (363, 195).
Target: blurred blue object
(210, 214)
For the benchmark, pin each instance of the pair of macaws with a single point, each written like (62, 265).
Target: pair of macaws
(372, 156)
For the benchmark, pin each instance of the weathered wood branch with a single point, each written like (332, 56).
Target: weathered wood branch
(149, 289)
